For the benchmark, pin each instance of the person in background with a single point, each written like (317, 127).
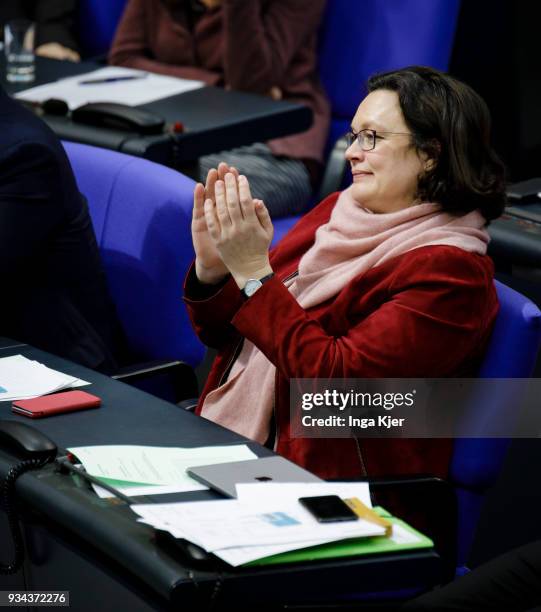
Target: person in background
(54, 25)
(387, 279)
(262, 46)
(54, 293)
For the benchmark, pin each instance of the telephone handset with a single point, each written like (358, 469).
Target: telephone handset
(26, 442)
(32, 450)
(119, 117)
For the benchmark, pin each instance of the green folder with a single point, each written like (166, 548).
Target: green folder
(355, 547)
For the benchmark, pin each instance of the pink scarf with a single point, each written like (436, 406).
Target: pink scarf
(351, 243)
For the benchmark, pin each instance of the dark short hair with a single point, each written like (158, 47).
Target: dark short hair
(450, 123)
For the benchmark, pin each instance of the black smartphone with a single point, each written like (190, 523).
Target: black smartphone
(328, 508)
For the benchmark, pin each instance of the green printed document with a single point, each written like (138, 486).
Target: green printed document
(146, 470)
(404, 537)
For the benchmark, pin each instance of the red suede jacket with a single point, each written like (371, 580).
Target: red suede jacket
(426, 314)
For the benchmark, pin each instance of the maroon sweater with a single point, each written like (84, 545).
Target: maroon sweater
(250, 46)
(425, 314)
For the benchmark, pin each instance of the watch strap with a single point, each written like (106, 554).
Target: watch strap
(259, 280)
(266, 278)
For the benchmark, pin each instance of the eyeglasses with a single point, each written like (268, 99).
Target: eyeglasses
(366, 139)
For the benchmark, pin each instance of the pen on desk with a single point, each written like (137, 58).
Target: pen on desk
(112, 79)
(65, 463)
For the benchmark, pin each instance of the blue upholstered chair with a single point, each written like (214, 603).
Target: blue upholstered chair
(96, 24)
(373, 36)
(141, 214)
(360, 39)
(476, 463)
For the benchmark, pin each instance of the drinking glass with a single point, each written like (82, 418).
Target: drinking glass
(19, 36)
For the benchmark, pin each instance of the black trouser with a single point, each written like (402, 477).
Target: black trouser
(510, 582)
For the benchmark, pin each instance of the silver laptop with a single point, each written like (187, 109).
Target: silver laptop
(223, 477)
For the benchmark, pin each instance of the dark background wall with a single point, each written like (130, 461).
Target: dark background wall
(497, 51)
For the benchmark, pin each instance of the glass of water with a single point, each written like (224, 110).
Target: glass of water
(19, 36)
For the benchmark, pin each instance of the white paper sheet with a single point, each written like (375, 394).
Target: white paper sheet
(289, 492)
(240, 554)
(22, 378)
(133, 92)
(245, 554)
(256, 497)
(217, 525)
(403, 536)
(155, 465)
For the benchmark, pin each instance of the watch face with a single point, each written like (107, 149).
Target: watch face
(251, 287)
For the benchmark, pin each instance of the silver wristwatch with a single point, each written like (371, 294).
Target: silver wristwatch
(253, 284)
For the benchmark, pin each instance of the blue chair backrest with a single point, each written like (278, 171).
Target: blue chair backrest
(96, 24)
(141, 214)
(358, 39)
(476, 463)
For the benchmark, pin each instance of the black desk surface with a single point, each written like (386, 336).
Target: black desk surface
(516, 236)
(130, 416)
(214, 119)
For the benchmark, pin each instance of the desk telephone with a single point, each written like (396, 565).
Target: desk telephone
(26, 442)
(32, 449)
(119, 117)
(104, 114)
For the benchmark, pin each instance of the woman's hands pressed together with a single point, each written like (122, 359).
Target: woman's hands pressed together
(235, 233)
(209, 267)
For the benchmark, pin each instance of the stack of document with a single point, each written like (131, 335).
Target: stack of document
(266, 519)
(151, 470)
(22, 378)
